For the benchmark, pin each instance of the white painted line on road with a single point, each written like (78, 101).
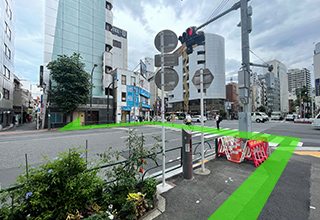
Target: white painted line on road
(211, 135)
(312, 207)
(195, 135)
(170, 160)
(178, 158)
(145, 134)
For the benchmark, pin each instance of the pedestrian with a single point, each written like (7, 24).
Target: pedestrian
(172, 118)
(218, 120)
(188, 119)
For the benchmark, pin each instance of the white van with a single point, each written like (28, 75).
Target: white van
(276, 116)
(257, 117)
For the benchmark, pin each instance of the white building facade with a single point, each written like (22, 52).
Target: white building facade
(7, 36)
(210, 55)
(119, 48)
(316, 66)
(132, 96)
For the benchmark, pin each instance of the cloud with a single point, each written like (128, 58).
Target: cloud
(29, 39)
(282, 29)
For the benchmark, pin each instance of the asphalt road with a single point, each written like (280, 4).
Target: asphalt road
(14, 147)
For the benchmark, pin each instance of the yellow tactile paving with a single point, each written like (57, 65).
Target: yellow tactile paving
(205, 161)
(309, 153)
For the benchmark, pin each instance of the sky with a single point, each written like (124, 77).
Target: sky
(285, 30)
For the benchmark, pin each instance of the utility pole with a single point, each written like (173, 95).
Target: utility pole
(245, 116)
(94, 66)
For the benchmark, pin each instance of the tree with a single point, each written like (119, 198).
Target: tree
(261, 108)
(73, 86)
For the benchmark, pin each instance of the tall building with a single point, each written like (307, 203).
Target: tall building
(316, 66)
(7, 36)
(211, 54)
(85, 27)
(280, 71)
(120, 48)
(232, 95)
(272, 93)
(298, 78)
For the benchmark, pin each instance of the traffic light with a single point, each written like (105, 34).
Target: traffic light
(191, 37)
(188, 34)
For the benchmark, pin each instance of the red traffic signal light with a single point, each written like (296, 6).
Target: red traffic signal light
(190, 32)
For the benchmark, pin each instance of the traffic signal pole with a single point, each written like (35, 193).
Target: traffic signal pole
(245, 117)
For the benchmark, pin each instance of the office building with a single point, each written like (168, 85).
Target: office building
(85, 27)
(7, 36)
(297, 78)
(272, 93)
(211, 55)
(280, 71)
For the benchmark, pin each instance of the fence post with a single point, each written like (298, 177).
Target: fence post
(86, 153)
(27, 170)
(216, 147)
(187, 154)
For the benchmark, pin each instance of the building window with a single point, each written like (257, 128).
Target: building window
(6, 94)
(201, 52)
(133, 80)
(123, 79)
(201, 61)
(108, 47)
(117, 44)
(7, 51)
(8, 31)
(108, 27)
(123, 97)
(6, 72)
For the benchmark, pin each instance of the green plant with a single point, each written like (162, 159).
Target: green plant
(127, 175)
(54, 189)
(150, 187)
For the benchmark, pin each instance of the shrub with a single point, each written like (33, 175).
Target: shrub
(150, 187)
(55, 188)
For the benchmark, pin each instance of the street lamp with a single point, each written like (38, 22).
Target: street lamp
(94, 66)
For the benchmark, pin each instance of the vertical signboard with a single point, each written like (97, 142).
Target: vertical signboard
(130, 96)
(317, 87)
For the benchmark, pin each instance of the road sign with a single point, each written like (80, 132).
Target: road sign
(207, 79)
(170, 41)
(169, 60)
(171, 79)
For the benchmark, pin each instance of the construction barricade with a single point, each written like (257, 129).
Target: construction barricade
(230, 147)
(256, 151)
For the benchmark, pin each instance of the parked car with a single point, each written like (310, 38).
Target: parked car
(197, 118)
(265, 116)
(257, 117)
(276, 116)
(316, 121)
(290, 117)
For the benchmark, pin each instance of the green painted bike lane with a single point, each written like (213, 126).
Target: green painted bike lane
(249, 199)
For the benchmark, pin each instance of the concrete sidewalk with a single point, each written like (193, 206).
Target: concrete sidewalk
(25, 128)
(295, 195)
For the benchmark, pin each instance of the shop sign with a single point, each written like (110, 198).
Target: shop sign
(144, 93)
(126, 108)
